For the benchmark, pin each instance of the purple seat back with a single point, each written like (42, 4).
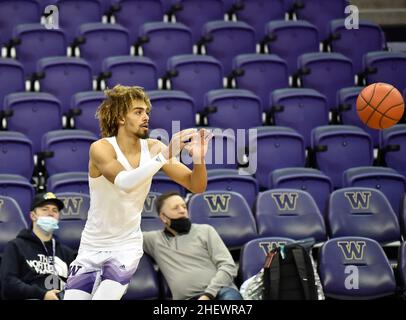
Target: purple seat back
(362, 212)
(289, 213)
(227, 212)
(341, 257)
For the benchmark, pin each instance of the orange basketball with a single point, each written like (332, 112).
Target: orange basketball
(380, 105)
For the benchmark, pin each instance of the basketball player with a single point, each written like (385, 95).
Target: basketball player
(121, 168)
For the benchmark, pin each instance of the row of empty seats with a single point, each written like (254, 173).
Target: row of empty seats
(354, 211)
(287, 39)
(329, 74)
(376, 277)
(386, 180)
(192, 13)
(350, 216)
(260, 150)
(301, 109)
(318, 184)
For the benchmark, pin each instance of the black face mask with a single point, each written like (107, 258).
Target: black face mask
(181, 225)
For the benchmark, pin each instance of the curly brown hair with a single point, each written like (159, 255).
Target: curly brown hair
(117, 104)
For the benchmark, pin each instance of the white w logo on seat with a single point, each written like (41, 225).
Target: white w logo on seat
(286, 200)
(358, 200)
(267, 246)
(72, 206)
(352, 250)
(218, 202)
(149, 203)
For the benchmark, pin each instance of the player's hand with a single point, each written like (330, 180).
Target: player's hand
(197, 148)
(203, 297)
(51, 295)
(178, 142)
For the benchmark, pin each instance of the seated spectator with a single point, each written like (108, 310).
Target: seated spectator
(192, 257)
(35, 265)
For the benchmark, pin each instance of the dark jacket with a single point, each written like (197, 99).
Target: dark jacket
(25, 266)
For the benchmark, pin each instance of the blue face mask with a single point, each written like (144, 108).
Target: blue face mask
(47, 224)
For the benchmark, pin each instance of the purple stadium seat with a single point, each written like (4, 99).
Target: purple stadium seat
(387, 67)
(402, 265)
(233, 109)
(16, 156)
(84, 106)
(18, 188)
(299, 109)
(289, 213)
(166, 5)
(391, 183)
(106, 5)
(46, 42)
(347, 108)
(313, 181)
(310, 10)
(33, 108)
(150, 218)
(101, 41)
(11, 78)
(341, 257)
(362, 212)
(227, 212)
(261, 74)
(70, 150)
(222, 151)
(195, 13)
(403, 217)
(338, 148)
(44, 3)
(281, 34)
(224, 40)
(228, 4)
(258, 12)
(161, 183)
(130, 71)
(12, 220)
(326, 73)
(176, 38)
(253, 254)
(73, 13)
(354, 43)
(77, 182)
(171, 106)
(276, 148)
(132, 14)
(195, 75)
(72, 218)
(144, 283)
(231, 180)
(393, 147)
(63, 77)
(15, 12)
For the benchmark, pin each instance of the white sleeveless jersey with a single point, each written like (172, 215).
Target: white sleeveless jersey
(114, 217)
